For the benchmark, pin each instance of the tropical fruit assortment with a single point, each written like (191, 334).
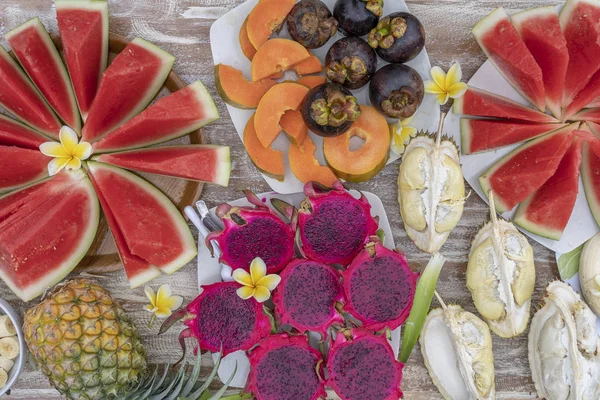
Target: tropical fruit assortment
(551, 59)
(53, 205)
(324, 104)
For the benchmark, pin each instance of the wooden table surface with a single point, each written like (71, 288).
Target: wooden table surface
(181, 27)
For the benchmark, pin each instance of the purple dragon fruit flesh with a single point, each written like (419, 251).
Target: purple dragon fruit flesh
(362, 366)
(334, 226)
(307, 295)
(379, 287)
(251, 232)
(285, 368)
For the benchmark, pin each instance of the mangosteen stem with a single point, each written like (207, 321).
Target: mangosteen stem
(310, 22)
(351, 69)
(386, 32)
(335, 110)
(400, 102)
(375, 6)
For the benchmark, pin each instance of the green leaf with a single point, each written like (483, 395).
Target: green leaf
(568, 263)
(381, 234)
(422, 302)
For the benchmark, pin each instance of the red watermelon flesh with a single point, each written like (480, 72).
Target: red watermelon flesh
(590, 175)
(587, 95)
(83, 27)
(153, 228)
(547, 211)
(540, 30)
(480, 103)
(169, 117)
(38, 56)
(45, 231)
(524, 170)
(500, 41)
(127, 87)
(138, 270)
(485, 134)
(14, 133)
(20, 98)
(21, 167)
(579, 22)
(594, 103)
(206, 163)
(587, 114)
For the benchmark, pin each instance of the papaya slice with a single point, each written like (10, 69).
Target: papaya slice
(279, 99)
(311, 65)
(362, 164)
(245, 43)
(294, 127)
(265, 18)
(275, 56)
(306, 167)
(236, 90)
(312, 81)
(267, 160)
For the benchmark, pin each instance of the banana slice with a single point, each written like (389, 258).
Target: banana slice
(3, 378)
(6, 327)
(9, 347)
(6, 364)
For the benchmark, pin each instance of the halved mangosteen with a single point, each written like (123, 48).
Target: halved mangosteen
(350, 62)
(310, 23)
(329, 109)
(357, 17)
(396, 90)
(398, 37)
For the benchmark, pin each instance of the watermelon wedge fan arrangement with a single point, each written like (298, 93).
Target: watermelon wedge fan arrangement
(50, 202)
(553, 60)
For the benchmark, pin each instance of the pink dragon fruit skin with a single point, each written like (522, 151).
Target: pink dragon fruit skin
(334, 226)
(219, 316)
(284, 367)
(251, 232)
(307, 295)
(362, 366)
(379, 287)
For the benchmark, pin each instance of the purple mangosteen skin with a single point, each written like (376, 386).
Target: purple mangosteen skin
(408, 46)
(353, 17)
(394, 77)
(351, 47)
(302, 34)
(316, 93)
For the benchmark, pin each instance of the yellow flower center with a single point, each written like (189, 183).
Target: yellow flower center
(68, 154)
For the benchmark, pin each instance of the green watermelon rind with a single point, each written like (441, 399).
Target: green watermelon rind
(39, 178)
(189, 250)
(25, 127)
(484, 179)
(593, 201)
(208, 107)
(520, 219)
(61, 272)
(37, 23)
(89, 5)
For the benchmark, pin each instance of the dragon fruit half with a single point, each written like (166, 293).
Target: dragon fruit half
(219, 317)
(285, 367)
(334, 226)
(379, 287)
(307, 295)
(362, 366)
(252, 232)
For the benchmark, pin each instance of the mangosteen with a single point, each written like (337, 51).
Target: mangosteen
(396, 90)
(357, 17)
(329, 109)
(398, 37)
(350, 62)
(310, 23)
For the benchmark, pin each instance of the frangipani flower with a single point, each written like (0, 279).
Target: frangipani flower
(257, 283)
(401, 135)
(446, 85)
(67, 154)
(162, 303)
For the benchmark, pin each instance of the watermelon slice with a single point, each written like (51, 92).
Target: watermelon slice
(153, 228)
(21, 98)
(168, 118)
(485, 134)
(590, 175)
(480, 103)
(586, 96)
(500, 41)
(524, 170)
(547, 211)
(21, 167)
(128, 85)
(587, 114)
(594, 103)
(38, 56)
(45, 231)
(14, 133)
(540, 30)
(579, 22)
(83, 27)
(206, 163)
